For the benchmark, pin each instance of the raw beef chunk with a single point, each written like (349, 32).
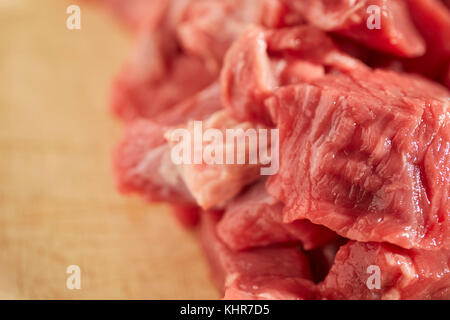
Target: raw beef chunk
(433, 21)
(404, 274)
(228, 266)
(143, 165)
(396, 33)
(261, 60)
(367, 156)
(214, 184)
(280, 14)
(139, 93)
(143, 161)
(209, 27)
(360, 183)
(187, 215)
(255, 219)
(158, 74)
(197, 107)
(271, 288)
(247, 78)
(134, 12)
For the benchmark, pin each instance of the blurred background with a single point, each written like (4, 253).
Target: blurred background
(58, 203)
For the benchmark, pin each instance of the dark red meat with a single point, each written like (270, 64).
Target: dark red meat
(134, 12)
(321, 259)
(433, 20)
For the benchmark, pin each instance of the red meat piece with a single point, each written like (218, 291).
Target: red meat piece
(321, 259)
(447, 3)
(158, 75)
(405, 274)
(187, 216)
(134, 12)
(142, 160)
(197, 107)
(255, 219)
(397, 34)
(247, 78)
(214, 184)
(367, 156)
(143, 165)
(228, 266)
(433, 20)
(209, 27)
(272, 288)
(260, 61)
(134, 96)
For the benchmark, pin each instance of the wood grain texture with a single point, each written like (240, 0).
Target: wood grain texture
(58, 204)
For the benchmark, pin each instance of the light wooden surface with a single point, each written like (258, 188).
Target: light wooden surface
(58, 204)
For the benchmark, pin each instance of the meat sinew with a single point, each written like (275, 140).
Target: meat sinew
(355, 91)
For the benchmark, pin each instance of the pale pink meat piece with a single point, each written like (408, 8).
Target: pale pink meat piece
(214, 184)
(142, 164)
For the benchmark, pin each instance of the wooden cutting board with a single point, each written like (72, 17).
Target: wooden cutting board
(58, 204)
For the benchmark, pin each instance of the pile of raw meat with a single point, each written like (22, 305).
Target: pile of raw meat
(359, 208)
